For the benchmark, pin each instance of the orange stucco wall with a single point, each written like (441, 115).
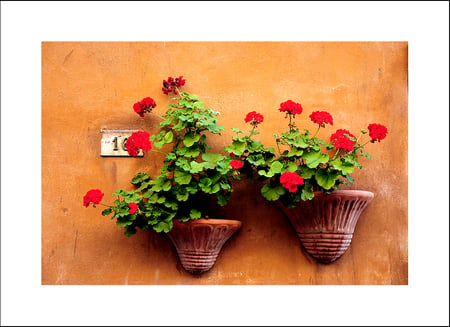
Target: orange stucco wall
(87, 86)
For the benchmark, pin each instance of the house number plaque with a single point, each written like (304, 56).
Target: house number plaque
(113, 143)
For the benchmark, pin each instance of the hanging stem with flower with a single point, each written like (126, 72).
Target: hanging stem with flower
(190, 169)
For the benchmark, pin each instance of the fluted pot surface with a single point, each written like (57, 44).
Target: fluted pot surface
(198, 242)
(325, 224)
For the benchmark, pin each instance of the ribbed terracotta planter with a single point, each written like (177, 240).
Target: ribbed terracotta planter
(198, 242)
(325, 224)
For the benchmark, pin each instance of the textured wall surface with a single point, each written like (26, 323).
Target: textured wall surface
(87, 86)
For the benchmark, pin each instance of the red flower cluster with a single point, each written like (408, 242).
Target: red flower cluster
(94, 196)
(133, 208)
(291, 107)
(143, 106)
(321, 118)
(341, 141)
(172, 83)
(254, 118)
(377, 132)
(290, 181)
(236, 164)
(136, 141)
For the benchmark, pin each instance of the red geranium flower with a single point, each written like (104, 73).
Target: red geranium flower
(341, 141)
(171, 84)
(236, 164)
(133, 208)
(94, 196)
(254, 118)
(291, 107)
(321, 118)
(143, 106)
(290, 181)
(138, 140)
(377, 132)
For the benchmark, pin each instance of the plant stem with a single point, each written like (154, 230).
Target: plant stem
(251, 132)
(357, 140)
(316, 132)
(159, 152)
(362, 145)
(278, 148)
(290, 123)
(106, 205)
(335, 154)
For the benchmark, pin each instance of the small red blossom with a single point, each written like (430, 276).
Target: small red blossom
(143, 106)
(377, 132)
(236, 164)
(291, 107)
(137, 141)
(321, 118)
(254, 118)
(290, 181)
(94, 196)
(133, 208)
(340, 140)
(171, 84)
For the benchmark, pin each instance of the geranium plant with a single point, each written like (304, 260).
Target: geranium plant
(303, 163)
(190, 169)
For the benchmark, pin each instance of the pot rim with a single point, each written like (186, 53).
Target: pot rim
(349, 192)
(212, 221)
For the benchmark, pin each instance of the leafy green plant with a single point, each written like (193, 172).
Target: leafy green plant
(304, 163)
(190, 171)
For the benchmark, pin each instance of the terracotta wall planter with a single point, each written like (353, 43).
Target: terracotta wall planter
(325, 224)
(198, 242)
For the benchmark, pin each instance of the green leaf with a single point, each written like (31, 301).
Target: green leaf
(129, 231)
(238, 148)
(307, 192)
(139, 178)
(195, 214)
(256, 159)
(182, 196)
(168, 138)
(123, 222)
(300, 142)
(295, 152)
(166, 186)
(171, 205)
(223, 198)
(255, 146)
(272, 193)
(171, 156)
(205, 185)
(215, 188)
(189, 139)
(192, 152)
(212, 158)
(365, 154)
(326, 179)
(196, 167)
(306, 172)
(345, 167)
(182, 177)
(266, 174)
(276, 167)
(106, 212)
(163, 226)
(291, 167)
(314, 158)
(215, 129)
